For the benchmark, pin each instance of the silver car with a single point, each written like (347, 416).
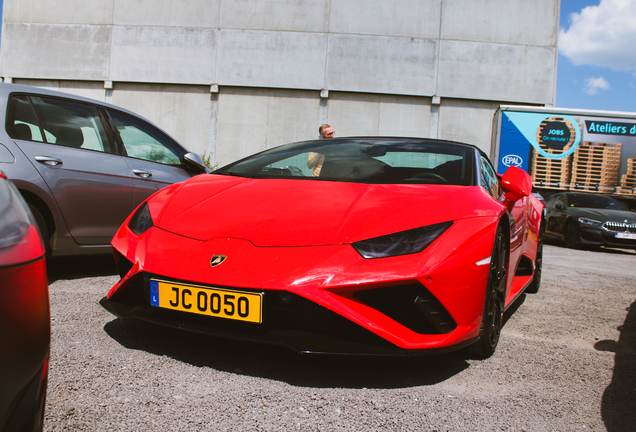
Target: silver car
(83, 165)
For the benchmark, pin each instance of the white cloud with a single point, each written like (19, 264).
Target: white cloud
(594, 85)
(603, 35)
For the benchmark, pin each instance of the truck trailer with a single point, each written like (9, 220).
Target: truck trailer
(568, 149)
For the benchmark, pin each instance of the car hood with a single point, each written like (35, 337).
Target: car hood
(286, 212)
(602, 215)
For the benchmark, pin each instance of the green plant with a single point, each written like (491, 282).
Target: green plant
(207, 160)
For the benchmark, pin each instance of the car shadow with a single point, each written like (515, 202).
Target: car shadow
(618, 406)
(282, 364)
(78, 267)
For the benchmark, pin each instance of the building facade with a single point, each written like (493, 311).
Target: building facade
(228, 78)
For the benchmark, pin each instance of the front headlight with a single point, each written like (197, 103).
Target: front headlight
(141, 220)
(401, 243)
(590, 222)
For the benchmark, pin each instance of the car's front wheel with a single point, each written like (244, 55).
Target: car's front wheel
(571, 235)
(492, 317)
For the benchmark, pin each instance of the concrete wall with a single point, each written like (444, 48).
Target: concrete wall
(396, 67)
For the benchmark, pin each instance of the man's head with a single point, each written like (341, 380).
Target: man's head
(325, 131)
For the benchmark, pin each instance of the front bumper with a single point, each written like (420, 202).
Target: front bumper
(302, 326)
(593, 236)
(320, 299)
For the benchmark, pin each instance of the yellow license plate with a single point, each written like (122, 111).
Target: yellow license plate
(216, 302)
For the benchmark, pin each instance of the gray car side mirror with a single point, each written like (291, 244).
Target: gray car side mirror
(194, 161)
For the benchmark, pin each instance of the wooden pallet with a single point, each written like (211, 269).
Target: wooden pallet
(631, 166)
(585, 160)
(596, 164)
(550, 175)
(626, 192)
(628, 180)
(550, 170)
(597, 178)
(599, 146)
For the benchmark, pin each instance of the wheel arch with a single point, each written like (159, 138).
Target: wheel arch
(504, 223)
(41, 206)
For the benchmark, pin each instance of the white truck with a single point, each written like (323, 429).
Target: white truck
(567, 149)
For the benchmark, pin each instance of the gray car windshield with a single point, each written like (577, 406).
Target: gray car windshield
(594, 202)
(374, 161)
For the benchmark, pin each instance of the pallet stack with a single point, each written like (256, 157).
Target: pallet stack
(628, 181)
(596, 164)
(553, 173)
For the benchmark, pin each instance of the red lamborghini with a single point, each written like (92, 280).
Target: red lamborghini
(353, 245)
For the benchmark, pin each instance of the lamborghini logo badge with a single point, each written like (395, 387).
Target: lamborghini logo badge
(217, 260)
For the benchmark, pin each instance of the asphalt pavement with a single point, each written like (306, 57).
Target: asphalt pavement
(566, 362)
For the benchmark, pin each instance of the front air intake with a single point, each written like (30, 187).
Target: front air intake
(620, 227)
(413, 306)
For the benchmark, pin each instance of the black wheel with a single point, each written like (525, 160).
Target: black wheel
(571, 235)
(492, 318)
(534, 286)
(44, 231)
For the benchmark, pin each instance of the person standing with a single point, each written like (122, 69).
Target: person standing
(325, 131)
(315, 160)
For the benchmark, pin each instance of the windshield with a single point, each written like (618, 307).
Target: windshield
(594, 202)
(361, 160)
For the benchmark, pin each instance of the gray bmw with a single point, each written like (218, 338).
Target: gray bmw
(589, 220)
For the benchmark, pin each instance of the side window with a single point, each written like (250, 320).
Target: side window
(71, 124)
(489, 178)
(552, 201)
(21, 120)
(142, 141)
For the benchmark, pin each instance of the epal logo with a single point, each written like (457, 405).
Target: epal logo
(512, 160)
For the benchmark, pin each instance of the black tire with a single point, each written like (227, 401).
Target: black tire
(534, 286)
(44, 231)
(492, 317)
(571, 235)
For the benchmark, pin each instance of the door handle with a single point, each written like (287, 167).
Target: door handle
(142, 173)
(48, 160)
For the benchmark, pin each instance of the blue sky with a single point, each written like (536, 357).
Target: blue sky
(597, 55)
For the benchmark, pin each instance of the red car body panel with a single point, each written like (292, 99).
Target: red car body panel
(24, 316)
(275, 214)
(296, 235)
(327, 274)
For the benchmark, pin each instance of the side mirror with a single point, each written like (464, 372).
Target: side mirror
(516, 183)
(558, 206)
(194, 161)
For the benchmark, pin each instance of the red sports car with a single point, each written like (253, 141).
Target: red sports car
(354, 245)
(25, 321)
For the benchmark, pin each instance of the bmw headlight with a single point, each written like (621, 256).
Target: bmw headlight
(401, 243)
(141, 220)
(590, 222)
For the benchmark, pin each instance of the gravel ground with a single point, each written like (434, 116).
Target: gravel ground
(566, 362)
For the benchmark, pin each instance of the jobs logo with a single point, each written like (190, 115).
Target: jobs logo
(512, 160)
